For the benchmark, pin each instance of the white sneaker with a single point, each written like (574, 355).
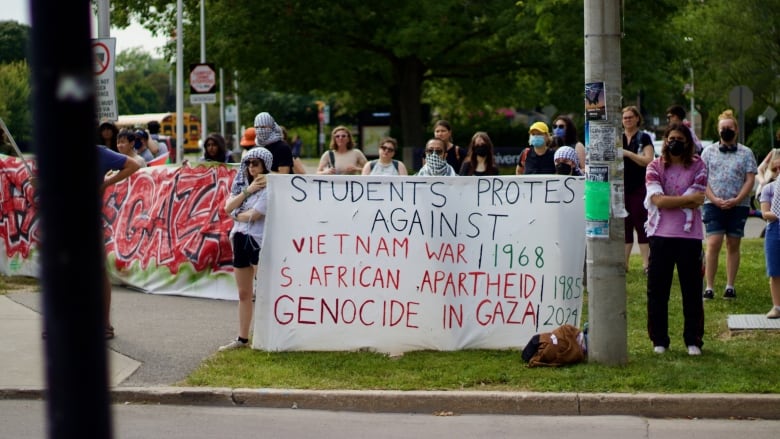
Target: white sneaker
(659, 349)
(235, 344)
(694, 350)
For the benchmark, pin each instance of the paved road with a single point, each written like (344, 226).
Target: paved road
(167, 337)
(25, 420)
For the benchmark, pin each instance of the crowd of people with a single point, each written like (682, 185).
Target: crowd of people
(675, 202)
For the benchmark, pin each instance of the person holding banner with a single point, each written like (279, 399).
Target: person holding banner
(113, 167)
(247, 208)
(676, 183)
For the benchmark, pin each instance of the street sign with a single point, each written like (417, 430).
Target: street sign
(105, 84)
(203, 78)
(741, 98)
(230, 113)
(770, 114)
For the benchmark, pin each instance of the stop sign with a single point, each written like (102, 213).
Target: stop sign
(203, 78)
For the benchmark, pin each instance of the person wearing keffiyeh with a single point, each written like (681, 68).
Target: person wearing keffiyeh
(676, 182)
(248, 209)
(269, 135)
(770, 211)
(436, 160)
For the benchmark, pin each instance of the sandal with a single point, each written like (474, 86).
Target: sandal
(109, 332)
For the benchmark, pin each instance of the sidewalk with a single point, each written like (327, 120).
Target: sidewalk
(160, 340)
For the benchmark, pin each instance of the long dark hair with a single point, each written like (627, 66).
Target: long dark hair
(688, 152)
(570, 136)
(490, 160)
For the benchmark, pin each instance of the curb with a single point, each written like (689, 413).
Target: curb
(650, 405)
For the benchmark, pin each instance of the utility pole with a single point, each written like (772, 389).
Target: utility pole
(606, 274)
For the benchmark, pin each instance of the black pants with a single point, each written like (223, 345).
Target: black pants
(665, 254)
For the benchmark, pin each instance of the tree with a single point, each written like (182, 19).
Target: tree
(15, 105)
(382, 52)
(730, 44)
(142, 83)
(13, 41)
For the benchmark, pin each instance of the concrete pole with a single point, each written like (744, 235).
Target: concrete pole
(103, 19)
(221, 103)
(203, 114)
(605, 257)
(179, 84)
(239, 131)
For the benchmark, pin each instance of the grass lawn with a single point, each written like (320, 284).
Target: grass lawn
(731, 363)
(744, 362)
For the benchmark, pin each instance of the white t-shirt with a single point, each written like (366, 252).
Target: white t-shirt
(257, 201)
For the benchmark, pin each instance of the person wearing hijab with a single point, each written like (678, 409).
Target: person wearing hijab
(436, 160)
(248, 208)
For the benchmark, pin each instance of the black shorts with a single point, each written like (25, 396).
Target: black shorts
(246, 251)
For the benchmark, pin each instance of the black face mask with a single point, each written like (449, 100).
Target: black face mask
(481, 151)
(727, 134)
(676, 148)
(563, 169)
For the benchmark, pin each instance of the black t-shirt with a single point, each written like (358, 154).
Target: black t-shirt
(633, 174)
(465, 169)
(540, 164)
(455, 157)
(282, 154)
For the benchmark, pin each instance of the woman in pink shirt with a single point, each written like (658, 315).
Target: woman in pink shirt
(676, 182)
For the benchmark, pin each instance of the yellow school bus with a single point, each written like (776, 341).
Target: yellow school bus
(167, 123)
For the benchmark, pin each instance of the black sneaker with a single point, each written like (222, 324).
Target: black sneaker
(708, 294)
(729, 293)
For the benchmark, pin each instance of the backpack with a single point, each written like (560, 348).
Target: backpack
(395, 164)
(523, 156)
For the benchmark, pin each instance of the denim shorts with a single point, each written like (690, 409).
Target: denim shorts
(772, 249)
(730, 222)
(246, 252)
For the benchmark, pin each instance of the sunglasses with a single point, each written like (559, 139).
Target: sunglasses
(340, 136)
(434, 151)
(253, 162)
(387, 148)
(560, 126)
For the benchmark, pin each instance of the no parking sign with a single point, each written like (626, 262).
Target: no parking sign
(104, 50)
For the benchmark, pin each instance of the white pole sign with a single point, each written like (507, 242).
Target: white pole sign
(104, 50)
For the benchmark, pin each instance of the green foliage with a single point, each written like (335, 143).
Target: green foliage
(142, 84)
(730, 44)
(731, 363)
(15, 100)
(13, 41)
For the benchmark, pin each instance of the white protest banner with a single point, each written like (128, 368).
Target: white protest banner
(396, 264)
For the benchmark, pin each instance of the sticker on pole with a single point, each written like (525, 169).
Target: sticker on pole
(203, 78)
